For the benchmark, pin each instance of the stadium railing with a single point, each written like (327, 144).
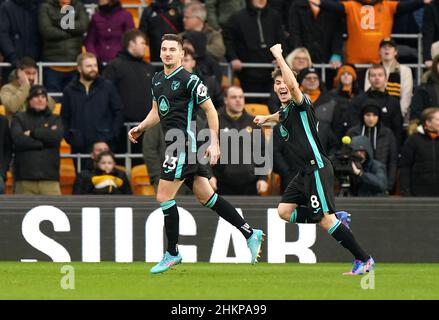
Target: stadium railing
(229, 76)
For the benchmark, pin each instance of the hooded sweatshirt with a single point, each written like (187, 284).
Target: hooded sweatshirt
(372, 181)
(382, 142)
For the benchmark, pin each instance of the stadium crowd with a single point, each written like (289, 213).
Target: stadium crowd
(393, 124)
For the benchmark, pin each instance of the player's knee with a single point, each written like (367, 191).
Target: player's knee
(202, 199)
(284, 213)
(327, 221)
(161, 198)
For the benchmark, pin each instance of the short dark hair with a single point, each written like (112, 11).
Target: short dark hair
(26, 62)
(189, 52)
(226, 92)
(173, 37)
(278, 73)
(428, 114)
(376, 67)
(104, 154)
(131, 35)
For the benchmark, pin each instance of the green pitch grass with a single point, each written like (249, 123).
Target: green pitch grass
(42, 280)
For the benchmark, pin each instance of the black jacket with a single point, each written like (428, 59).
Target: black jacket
(343, 104)
(245, 40)
(419, 166)
(158, 19)
(5, 146)
(206, 64)
(132, 78)
(238, 174)
(60, 44)
(391, 115)
(424, 96)
(36, 156)
(87, 118)
(98, 182)
(430, 28)
(373, 181)
(19, 36)
(322, 36)
(385, 150)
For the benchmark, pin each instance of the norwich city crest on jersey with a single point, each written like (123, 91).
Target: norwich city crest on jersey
(163, 105)
(284, 132)
(175, 85)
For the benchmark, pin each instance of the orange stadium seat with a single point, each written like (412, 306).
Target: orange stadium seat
(134, 11)
(2, 110)
(67, 171)
(255, 109)
(140, 182)
(9, 183)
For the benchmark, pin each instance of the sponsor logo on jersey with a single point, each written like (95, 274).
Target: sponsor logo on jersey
(201, 90)
(175, 85)
(163, 105)
(284, 132)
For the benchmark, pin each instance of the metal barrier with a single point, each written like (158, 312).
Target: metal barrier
(228, 72)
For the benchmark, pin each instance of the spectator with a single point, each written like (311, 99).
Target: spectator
(318, 31)
(425, 95)
(61, 42)
(366, 28)
(283, 8)
(234, 122)
(299, 59)
(105, 178)
(325, 106)
(346, 88)
(19, 35)
(5, 151)
(399, 77)
(98, 147)
(408, 23)
(368, 177)
(248, 35)
(420, 158)
(391, 115)
(14, 94)
(219, 11)
(106, 28)
(194, 19)
(214, 89)
(382, 140)
(206, 65)
(36, 135)
(92, 109)
(132, 77)
(153, 149)
(430, 31)
(159, 18)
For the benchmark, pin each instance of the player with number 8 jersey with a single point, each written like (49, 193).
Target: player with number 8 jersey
(309, 197)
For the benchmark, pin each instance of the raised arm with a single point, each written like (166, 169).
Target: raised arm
(151, 120)
(287, 74)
